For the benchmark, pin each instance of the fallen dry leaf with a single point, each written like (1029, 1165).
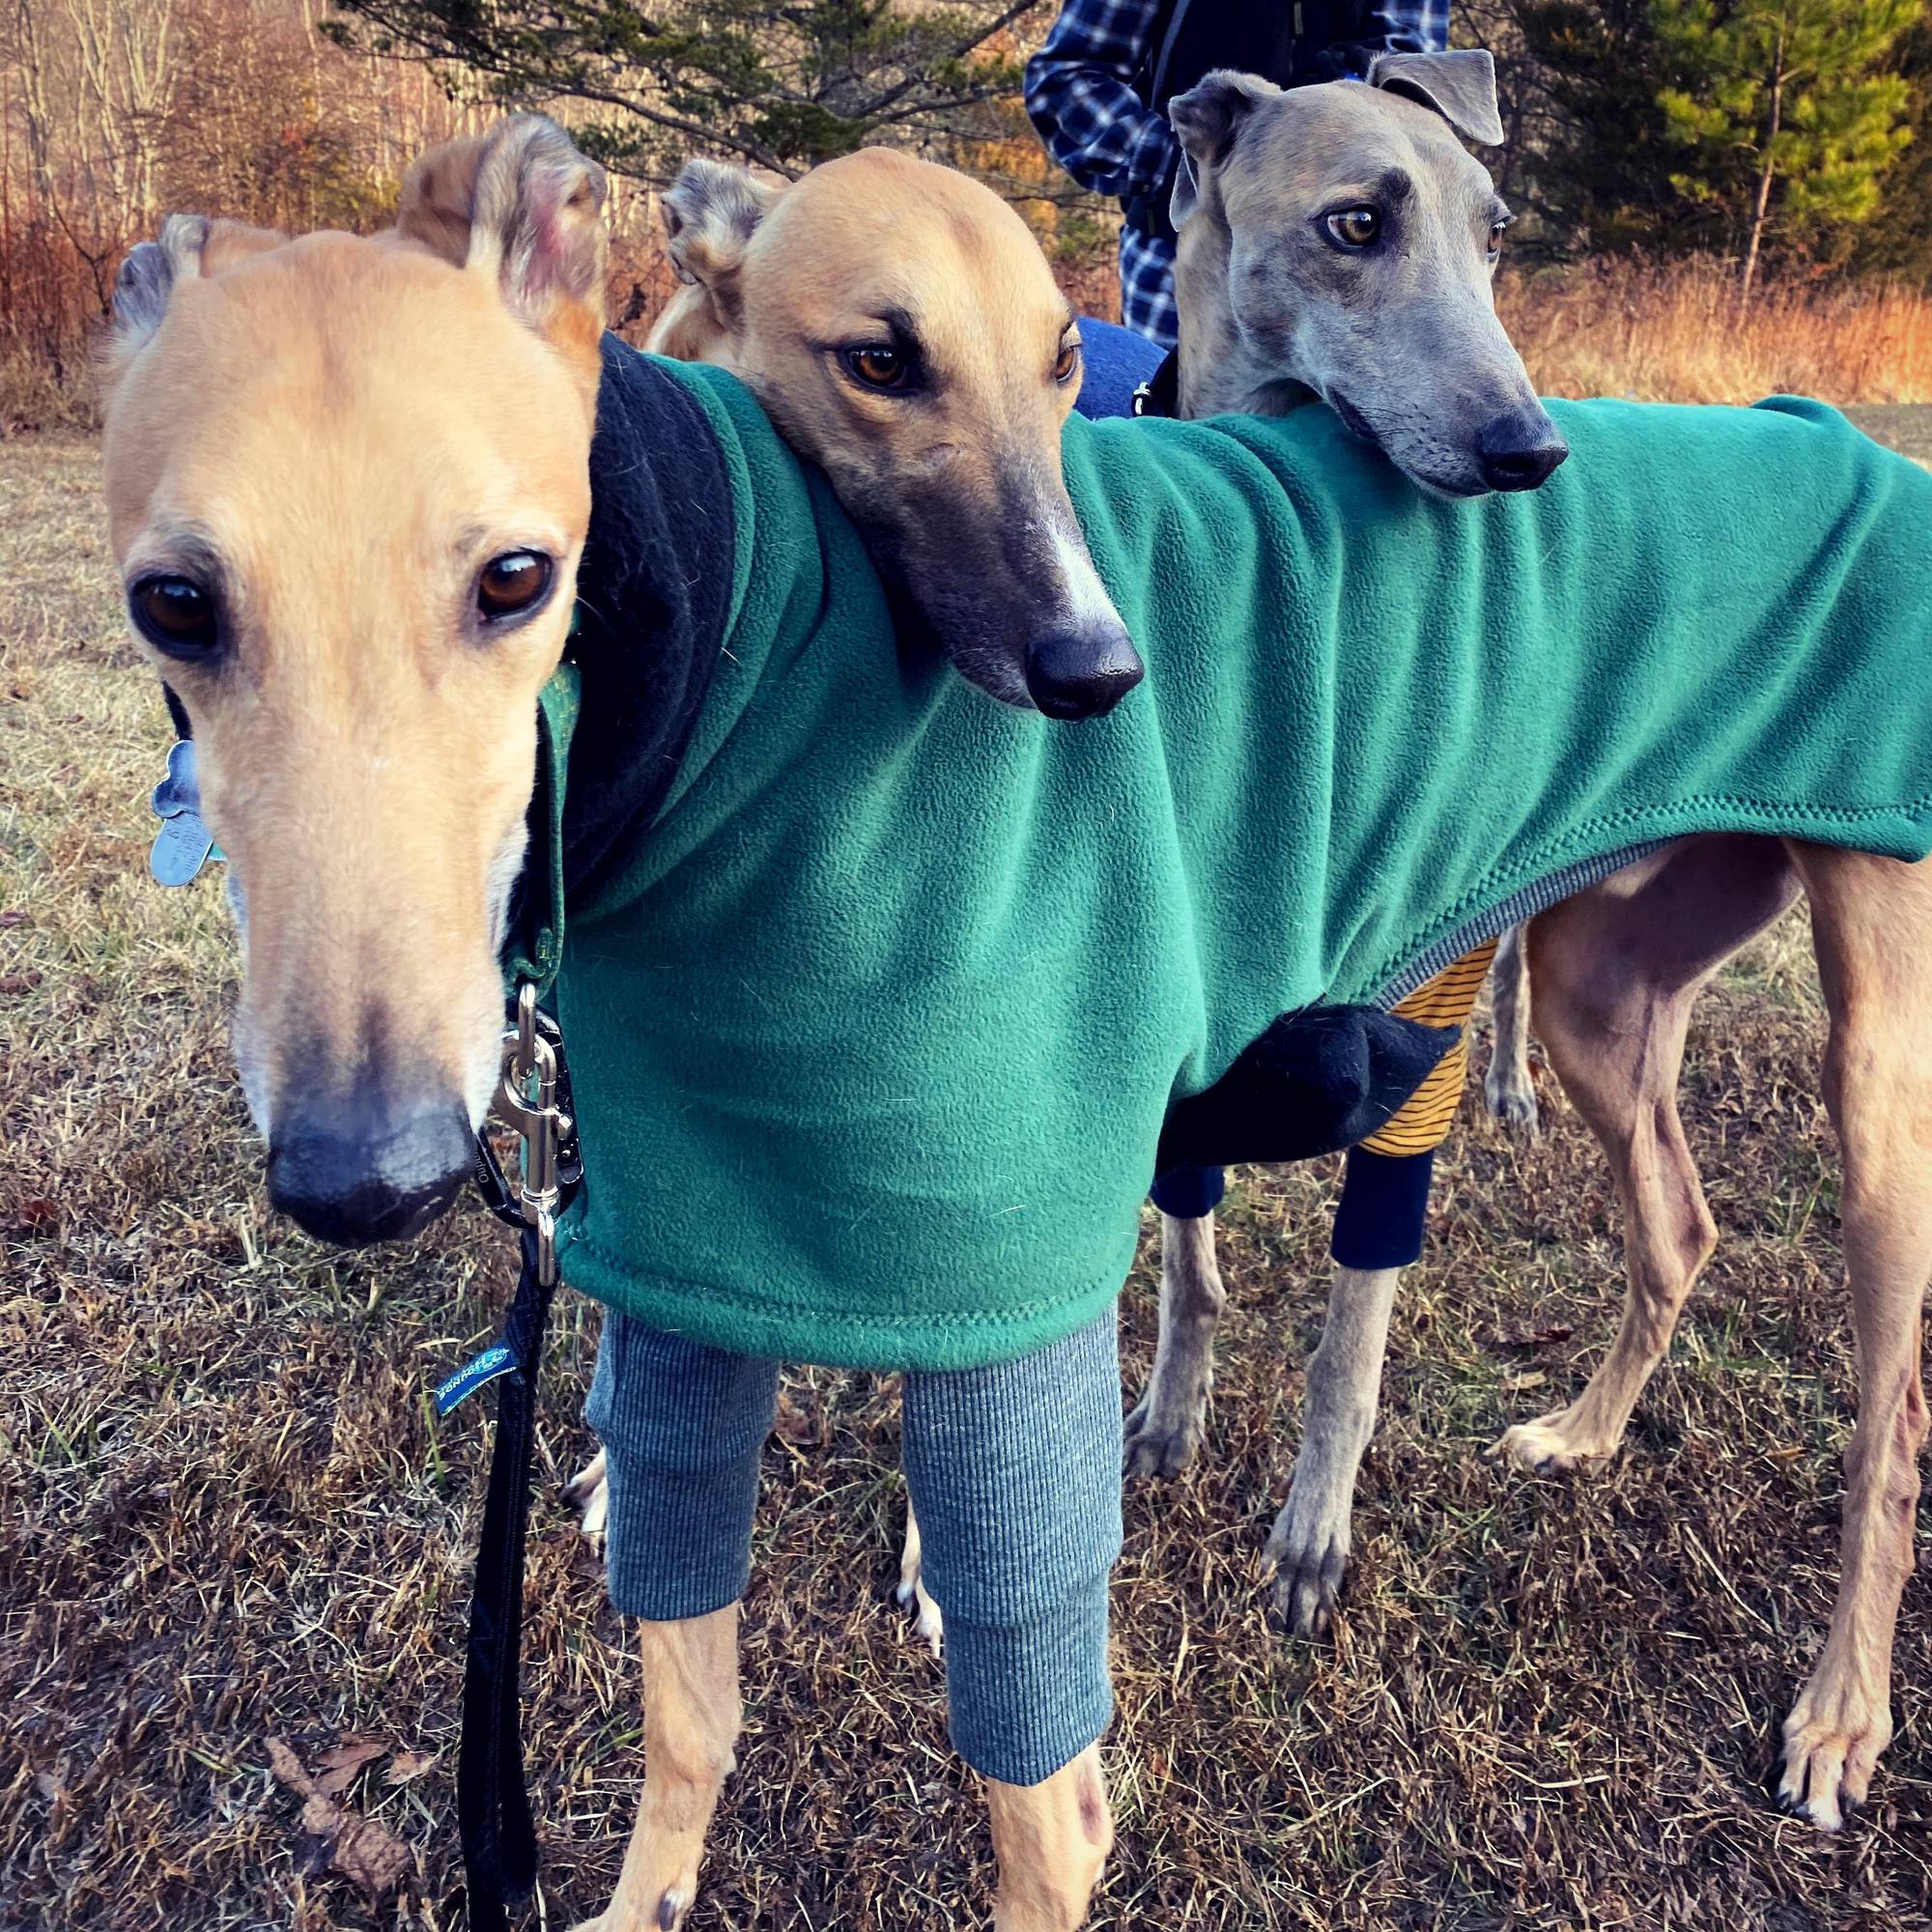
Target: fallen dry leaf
(406, 1764)
(334, 1838)
(1529, 1338)
(339, 1767)
(35, 1217)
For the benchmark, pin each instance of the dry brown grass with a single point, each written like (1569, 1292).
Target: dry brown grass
(1676, 333)
(225, 1513)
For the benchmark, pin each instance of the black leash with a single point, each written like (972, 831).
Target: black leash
(492, 1805)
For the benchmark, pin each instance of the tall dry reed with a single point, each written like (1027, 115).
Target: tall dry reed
(1676, 333)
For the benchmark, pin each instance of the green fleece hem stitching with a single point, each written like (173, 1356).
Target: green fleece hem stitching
(735, 1298)
(1657, 819)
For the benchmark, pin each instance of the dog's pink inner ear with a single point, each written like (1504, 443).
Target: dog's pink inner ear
(537, 224)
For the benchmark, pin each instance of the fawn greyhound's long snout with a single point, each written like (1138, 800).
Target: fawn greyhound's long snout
(359, 639)
(900, 325)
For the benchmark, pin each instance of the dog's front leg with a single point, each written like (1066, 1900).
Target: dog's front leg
(1310, 1543)
(691, 1725)
(1165, 1427)
(1051, 1840)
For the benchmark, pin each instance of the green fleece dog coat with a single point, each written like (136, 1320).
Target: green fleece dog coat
(875, 1026)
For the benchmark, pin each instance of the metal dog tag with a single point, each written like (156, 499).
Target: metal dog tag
(183, 846)
(180, 850)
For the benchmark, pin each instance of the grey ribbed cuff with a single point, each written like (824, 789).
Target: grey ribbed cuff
(682, 1427)
(1015, 1473)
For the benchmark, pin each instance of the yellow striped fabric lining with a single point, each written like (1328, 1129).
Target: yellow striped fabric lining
(1447, 1000)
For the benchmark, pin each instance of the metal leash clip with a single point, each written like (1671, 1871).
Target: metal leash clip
(532, 1102)
(527, 1103)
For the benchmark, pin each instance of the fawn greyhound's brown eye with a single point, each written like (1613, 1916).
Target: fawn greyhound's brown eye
(878, 365)
(175, 614)
(513, 583)
(1355, 227)
(1068, 360)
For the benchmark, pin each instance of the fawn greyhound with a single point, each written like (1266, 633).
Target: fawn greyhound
(368, 746)
(1396, 330)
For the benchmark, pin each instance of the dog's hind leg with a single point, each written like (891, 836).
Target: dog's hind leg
(1507, 1087)
(690, 1727)
(1871, 919)
(1616, 971)
(1309, 1542)
(1164, 1428)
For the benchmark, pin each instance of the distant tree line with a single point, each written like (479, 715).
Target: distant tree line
(1788, 138)
(1794, 135)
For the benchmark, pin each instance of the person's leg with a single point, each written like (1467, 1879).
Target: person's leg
(1015, 1473)
(682, 1427)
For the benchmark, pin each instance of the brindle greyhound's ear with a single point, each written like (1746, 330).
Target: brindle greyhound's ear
(521, 205)
(190, 247)
(1461, 87)
(1205, 121)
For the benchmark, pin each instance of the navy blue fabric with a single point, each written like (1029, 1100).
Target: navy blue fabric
(1384, 1207)
(1116, 362)
(1188, 1192)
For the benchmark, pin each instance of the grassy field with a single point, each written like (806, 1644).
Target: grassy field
(226, 1517)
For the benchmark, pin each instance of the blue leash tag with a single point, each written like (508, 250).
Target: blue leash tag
(472, 1376)
(183, 846)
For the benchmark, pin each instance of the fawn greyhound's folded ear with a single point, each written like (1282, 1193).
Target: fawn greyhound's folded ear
(1461, 87)
(190, 247)
(521, 205)
(1206, 121)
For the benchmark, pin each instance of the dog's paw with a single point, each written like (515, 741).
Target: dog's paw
(1546, 1447)
(590, 1493)
(1162, 1437)
(929, 1626)
(1512, 1101)
(1832, 1741)
(1309, 1549)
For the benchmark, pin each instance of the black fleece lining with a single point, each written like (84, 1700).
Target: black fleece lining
(652, 595)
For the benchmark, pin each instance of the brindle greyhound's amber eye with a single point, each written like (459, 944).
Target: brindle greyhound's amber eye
(512, 584)
(878, 365)
(1068, 361)
(1355, 227)
(175, 614)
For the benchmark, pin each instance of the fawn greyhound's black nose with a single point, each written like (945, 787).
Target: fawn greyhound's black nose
(362, 1172)
(1519, 450)
(1082, 674)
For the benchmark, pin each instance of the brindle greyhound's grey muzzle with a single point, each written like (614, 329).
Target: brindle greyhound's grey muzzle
(369, 1168)
(1520, 449)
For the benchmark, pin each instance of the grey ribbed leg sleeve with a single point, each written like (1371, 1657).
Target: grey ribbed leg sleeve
(682, 1427)
(1016, 1475)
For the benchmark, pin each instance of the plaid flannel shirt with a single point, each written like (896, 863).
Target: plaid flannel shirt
(1080, 94)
